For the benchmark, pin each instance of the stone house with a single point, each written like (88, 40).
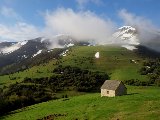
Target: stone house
(113, 88)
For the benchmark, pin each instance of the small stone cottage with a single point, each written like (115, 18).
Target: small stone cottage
(113, 88)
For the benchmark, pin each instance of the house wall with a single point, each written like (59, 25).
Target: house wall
(110, 94)
(121, 90)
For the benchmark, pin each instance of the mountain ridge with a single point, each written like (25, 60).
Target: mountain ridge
(25, 52)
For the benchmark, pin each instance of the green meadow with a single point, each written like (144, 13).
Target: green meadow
(141, 103)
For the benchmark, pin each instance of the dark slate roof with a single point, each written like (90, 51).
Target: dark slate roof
(111, 84)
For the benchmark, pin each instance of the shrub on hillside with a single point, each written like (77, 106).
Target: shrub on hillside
(151, 68)
(136, 82)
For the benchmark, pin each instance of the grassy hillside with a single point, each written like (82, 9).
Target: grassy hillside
(141, 103)
(118, 62)
(43, 70)
(49, 80)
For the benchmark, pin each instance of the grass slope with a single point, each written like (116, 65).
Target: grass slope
(141, 103)
(114, 60)
(43, 70)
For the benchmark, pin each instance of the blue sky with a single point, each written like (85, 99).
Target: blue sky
(14, 14)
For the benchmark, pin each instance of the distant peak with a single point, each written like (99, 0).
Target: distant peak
(127, 27)
(127, 36)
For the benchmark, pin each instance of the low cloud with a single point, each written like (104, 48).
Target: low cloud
(148, 33)
(81, 25)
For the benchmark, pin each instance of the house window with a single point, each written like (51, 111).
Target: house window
(107, 92)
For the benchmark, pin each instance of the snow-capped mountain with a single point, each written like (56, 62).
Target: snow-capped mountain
(127, 36)
(19, 51)
(12, 47)
(12, 53)
(6, 44)
(7, 48)
(47, 43)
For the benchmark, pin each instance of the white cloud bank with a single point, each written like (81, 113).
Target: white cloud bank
(81, 25)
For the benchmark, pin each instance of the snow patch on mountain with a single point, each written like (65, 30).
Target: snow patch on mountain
(37, 53)
(13, 47)
(23, 42)
(50, 50)
(97, 55)
(64, 53)
(127, 28)
(70, 45)
(43, 39)
(24, 56)
(129, 47)
(10, 49)
(134, 61)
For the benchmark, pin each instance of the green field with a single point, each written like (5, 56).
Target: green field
(43, 70)
(116, 61)
(141, 103)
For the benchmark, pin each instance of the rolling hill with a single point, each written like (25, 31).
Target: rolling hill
(118, 62)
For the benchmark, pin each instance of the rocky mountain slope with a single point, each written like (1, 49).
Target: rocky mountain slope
(28, 51)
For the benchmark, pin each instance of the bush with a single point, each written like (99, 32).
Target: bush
(136, 82)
